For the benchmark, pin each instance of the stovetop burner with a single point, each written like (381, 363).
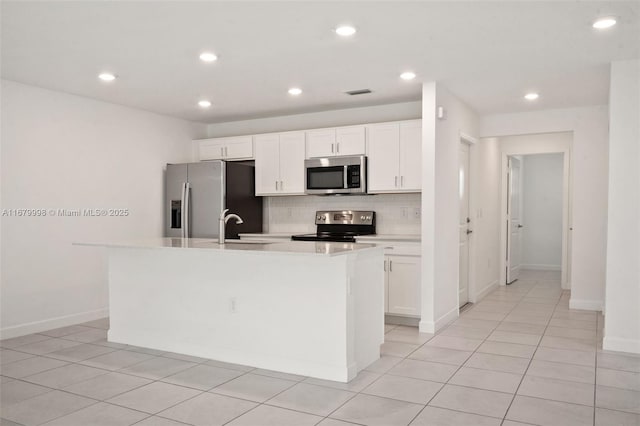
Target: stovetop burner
(341, 226)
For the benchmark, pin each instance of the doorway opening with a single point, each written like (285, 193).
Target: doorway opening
(535, 207)
(534, 214)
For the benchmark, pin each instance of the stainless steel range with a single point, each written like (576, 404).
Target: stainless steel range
(341, 226)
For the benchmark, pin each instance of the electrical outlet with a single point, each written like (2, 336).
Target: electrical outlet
(233, 305)
(416, 213)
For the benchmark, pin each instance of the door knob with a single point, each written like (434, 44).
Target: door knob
(469, 231)
(520, 226)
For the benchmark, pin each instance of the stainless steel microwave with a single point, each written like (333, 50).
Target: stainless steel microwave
(336, 175)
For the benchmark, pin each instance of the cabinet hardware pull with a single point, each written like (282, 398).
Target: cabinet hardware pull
(402, 181)
(385, 266)
(281, 186)
(276, 185)
(396, 181)
(338, 148)
(332, 148)
(221, 152)
(391, 266)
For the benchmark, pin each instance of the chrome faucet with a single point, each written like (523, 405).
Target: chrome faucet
(223, 221)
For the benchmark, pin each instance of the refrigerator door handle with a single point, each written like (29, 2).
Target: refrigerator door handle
(182, 210)
(185, 210)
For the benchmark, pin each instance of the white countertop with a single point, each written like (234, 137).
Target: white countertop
(373, 238)
(210, 244)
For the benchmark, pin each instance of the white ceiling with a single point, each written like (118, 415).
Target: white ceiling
(488, 53)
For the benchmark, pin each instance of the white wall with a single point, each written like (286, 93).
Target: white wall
(542, 211)
(67, 152)
(440, 203)
(589, 176)
(395, 213)
(340, 117)
(622, 325)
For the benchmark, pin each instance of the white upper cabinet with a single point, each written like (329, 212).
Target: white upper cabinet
(332, 142)
(267, 164)
(383, 157)
(350, 140)
(321, 143)
(280, 163)
(411, 155)
(292, 163)
(232, 148)
(394, 156)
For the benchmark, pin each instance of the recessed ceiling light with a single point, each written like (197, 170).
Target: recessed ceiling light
(531, 96)
(204, 104)
(106, 76)
(408, 75)
(605, 22)
(208, 57)
(295, 91)
(345, 30)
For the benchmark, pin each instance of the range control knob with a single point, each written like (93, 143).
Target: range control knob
(363, 217)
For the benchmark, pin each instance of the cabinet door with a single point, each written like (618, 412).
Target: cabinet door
(404, 285)
(350, 140)
(386, 284)
(292, 163)
(239, 148)
(211, 149)
(411, 155)
(321, 143)
(267, 164)
(383, 157)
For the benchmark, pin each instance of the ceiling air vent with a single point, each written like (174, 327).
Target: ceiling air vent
(358, 92)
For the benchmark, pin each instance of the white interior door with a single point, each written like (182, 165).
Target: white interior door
(514, 220)
(465, 222)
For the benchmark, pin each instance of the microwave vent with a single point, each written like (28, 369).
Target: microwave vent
(358, 92)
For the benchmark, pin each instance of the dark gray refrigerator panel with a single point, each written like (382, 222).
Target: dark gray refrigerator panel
(241, 200)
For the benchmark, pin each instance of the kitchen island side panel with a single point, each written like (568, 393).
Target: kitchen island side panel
(286, 313)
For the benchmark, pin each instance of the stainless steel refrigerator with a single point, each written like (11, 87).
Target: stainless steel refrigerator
(196, 193)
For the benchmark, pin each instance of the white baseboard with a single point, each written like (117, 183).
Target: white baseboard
(541, 267)
(51, 323)
(619, 344)
(433, 326)
(483, 293)
(585, 304)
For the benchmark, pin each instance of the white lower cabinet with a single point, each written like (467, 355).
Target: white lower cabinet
(402, 285)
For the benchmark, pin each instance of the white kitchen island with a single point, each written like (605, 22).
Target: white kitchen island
(308, 308)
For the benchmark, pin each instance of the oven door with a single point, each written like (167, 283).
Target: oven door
(336, 175)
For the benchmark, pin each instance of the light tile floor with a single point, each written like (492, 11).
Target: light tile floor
(520, 356)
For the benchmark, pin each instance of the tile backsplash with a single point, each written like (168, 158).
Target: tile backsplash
(395, 213)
